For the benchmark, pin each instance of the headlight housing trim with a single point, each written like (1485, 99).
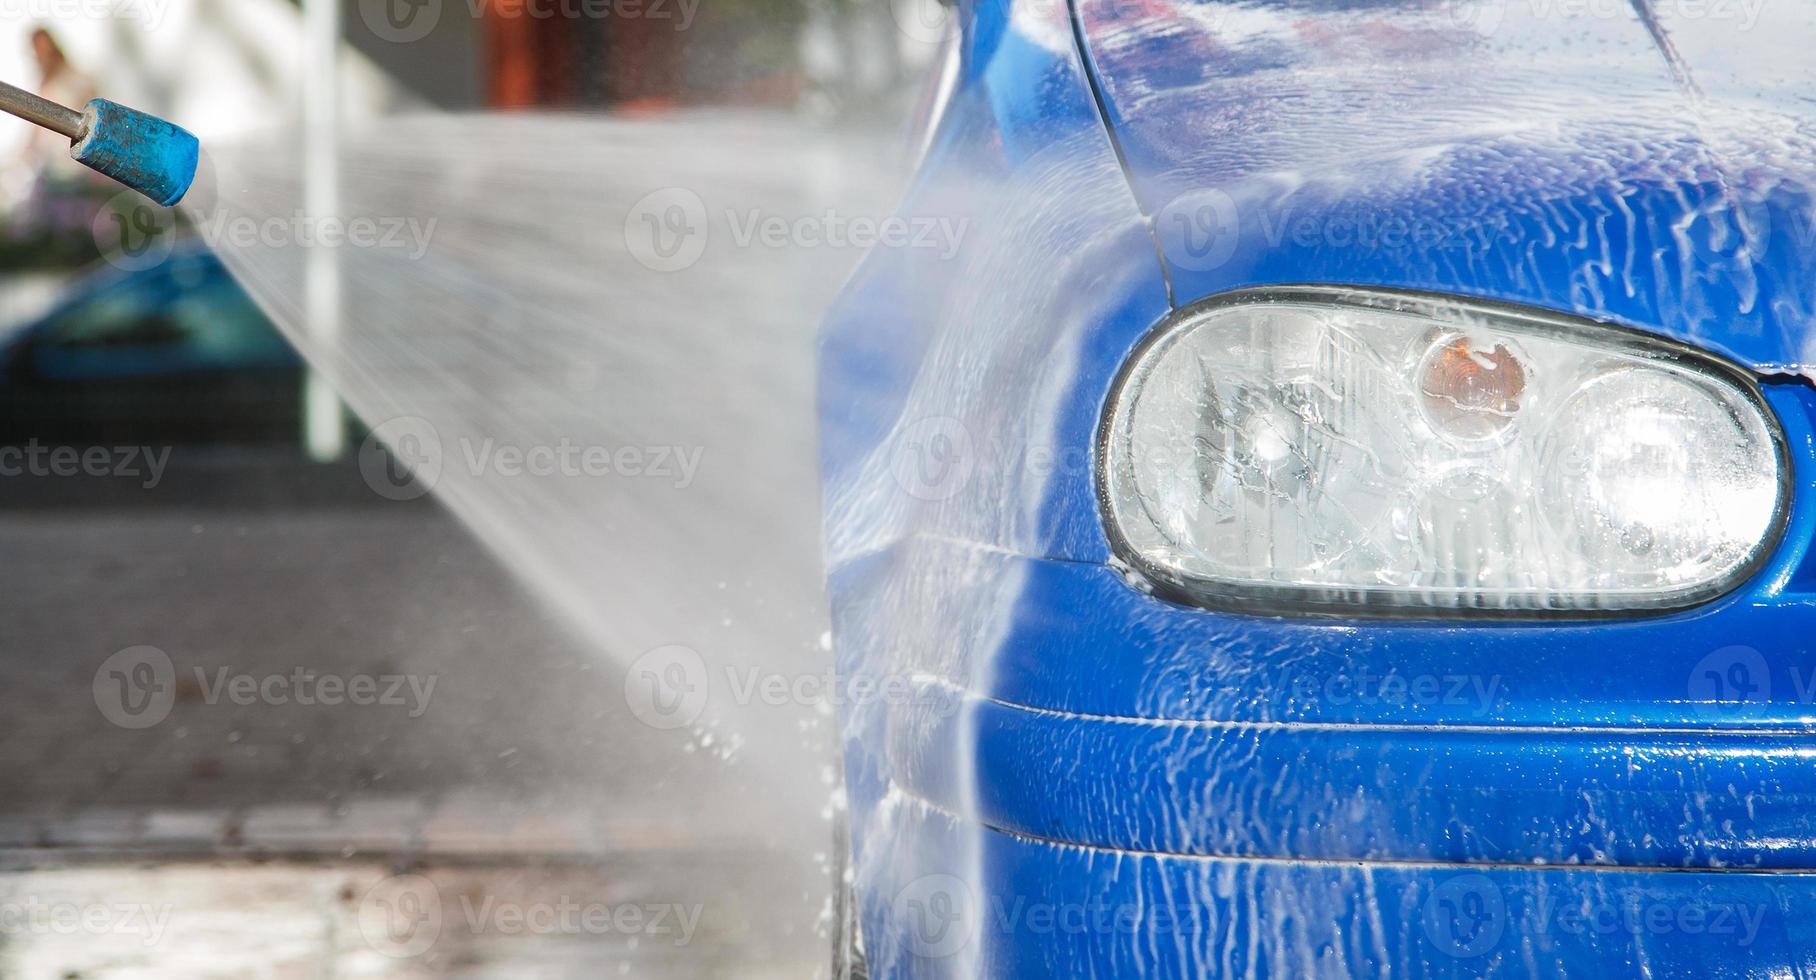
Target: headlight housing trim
(1300, 601)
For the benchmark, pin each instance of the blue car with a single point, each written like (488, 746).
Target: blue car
(170, 353)
(1344, 505)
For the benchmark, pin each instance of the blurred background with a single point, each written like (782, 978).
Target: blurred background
(163, 488)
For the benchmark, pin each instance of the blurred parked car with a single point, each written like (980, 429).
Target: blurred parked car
(173, 354)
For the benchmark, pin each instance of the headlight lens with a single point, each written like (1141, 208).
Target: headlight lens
(1358, 451)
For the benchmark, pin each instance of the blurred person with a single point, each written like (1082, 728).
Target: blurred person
(59, 195)
(59, 81)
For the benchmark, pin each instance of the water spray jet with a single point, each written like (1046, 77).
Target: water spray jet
(155, 157)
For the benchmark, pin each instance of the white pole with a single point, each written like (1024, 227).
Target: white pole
(324, 429)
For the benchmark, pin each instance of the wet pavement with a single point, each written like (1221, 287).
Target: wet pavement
(364, 919)
(170, 744)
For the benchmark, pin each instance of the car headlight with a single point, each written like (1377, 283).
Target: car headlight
(1359, 452)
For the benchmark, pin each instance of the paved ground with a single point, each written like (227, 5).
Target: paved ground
(493, 758)
(363, 919)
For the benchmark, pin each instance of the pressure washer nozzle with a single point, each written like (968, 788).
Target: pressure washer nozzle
(154, 157)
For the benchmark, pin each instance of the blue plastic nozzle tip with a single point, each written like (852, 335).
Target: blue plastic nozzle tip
(156, 158)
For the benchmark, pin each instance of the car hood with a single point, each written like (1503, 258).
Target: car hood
(1650, 167)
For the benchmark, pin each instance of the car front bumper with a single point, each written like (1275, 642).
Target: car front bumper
(1035, 908)
(1183, 792)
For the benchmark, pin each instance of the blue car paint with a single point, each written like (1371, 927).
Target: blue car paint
(1558, 162)
(1304, 796)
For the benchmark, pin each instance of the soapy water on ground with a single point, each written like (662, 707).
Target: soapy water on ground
(593, 341)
